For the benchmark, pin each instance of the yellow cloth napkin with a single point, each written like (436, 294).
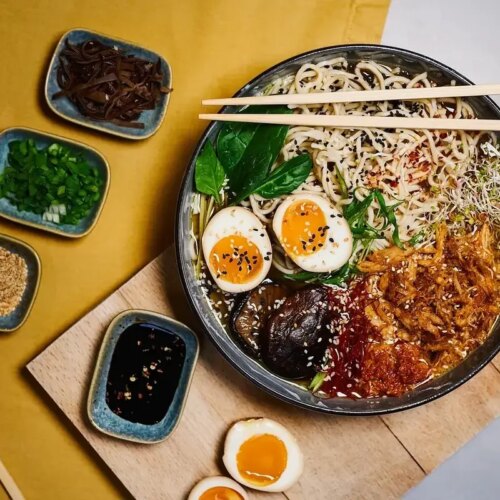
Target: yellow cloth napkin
(214, 47)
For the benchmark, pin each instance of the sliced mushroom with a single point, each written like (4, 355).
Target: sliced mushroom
(250, 315)
(297, 337)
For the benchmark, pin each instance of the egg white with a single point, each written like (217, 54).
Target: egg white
(333, 255)
(237, 221)
(213, 482)
(246, 429)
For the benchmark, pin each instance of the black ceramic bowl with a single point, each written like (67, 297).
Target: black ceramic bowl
(259, 374)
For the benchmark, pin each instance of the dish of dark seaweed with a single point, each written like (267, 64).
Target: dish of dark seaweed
(108, 84)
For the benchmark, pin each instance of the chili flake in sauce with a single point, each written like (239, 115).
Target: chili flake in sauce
(144, 374)
(359, 362)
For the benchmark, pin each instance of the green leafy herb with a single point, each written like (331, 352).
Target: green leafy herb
(53, 181)
(344, 191)
(305, 276)
(317, 381)
(285, 178)
(388, 212)
(257, 159)
(234, 137)
(206, 209)
(417, 238)
(338, 277)
(355, 213)
(209, 174)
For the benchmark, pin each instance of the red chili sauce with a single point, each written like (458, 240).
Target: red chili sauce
(360, 364)
(353, 332)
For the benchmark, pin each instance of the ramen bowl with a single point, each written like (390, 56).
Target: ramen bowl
(279, 387)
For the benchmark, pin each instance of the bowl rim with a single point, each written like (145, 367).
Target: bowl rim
(38, 278)
(97, 126)
(179, 237)
(101, 203)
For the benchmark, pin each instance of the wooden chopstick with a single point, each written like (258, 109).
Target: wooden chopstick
(9, 484)
(361, 95)
(356, 121)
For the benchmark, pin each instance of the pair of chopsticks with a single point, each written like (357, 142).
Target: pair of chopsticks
(355, 121)
(9, 484)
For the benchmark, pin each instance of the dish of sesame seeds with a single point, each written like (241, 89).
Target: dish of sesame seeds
(13, 280)
(361, 228)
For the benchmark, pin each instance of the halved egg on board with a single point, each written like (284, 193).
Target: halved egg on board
(237, 249)
(313, 233)
(217, 488)
(262, 454)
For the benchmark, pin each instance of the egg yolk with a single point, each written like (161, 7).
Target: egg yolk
(236, 259)
(220, 493)
(303, 231)
(262, 459)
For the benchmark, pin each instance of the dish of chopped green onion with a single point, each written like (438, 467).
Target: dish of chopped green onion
(54, 182)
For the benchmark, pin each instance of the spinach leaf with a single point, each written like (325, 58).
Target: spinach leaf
(234, 137)
(256, 161)
(209, 174)
(284, 179)
(258, 157)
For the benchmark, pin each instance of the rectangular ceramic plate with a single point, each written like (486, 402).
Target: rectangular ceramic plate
(42, 139)
(62, 106)
(18, 316)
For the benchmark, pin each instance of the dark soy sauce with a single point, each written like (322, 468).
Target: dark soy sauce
(144, 373)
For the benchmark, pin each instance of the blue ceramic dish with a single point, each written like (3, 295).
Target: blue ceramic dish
(42, 139)
(18, 316)
(152, 119)
(98, 410)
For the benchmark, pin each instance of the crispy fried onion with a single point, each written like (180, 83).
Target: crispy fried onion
(441, 298)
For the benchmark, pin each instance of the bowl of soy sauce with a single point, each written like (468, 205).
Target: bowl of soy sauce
(142, 376)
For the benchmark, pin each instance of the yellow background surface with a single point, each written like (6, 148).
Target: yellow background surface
(214, 47)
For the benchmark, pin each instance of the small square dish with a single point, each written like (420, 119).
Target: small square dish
(142, 377)
(15, 319)
(9, 210)
(64, 107)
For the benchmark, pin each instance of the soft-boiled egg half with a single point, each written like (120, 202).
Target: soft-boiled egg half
(217, 488)
(313, 233)
(263, 455)
(237, 249)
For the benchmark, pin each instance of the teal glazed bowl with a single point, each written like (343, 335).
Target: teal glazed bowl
(63, 107)
(98, 410)
(20, 314)
(43, 139)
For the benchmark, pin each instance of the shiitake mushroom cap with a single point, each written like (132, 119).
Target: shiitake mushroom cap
(251, 312)
(296, 334)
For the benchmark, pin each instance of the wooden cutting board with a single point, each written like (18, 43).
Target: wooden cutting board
(345, 457)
